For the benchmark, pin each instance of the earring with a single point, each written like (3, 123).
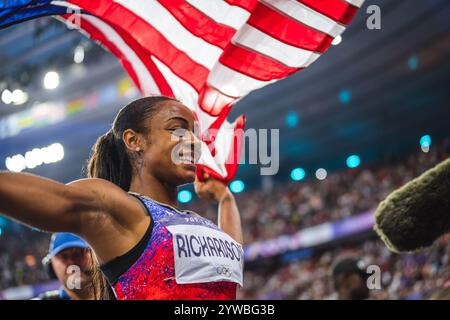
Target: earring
(138, 149)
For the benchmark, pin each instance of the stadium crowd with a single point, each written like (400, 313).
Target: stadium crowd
(21, 251)
(284, 210)
(287, 208)
(403, 276)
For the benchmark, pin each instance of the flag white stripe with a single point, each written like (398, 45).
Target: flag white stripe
(356, 3)
(233, 83)
(307, 16)
(146, 81)
(182, 90)
(224, 142)
(162, 20)
(259, 41)
(65, 4)
(222, 12)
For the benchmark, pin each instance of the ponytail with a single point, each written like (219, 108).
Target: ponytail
(110, 161)
(100, 289)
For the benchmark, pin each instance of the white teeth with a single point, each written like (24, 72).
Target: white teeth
(187, 159)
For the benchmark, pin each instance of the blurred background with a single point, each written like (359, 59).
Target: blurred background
(370, 115)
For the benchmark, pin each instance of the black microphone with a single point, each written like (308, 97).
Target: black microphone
(415, 215)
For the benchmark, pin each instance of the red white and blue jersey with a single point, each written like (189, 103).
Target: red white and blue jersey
(182, 256)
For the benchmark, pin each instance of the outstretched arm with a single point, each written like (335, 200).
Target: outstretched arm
(43, 203)
(111, 220)
(229, 217)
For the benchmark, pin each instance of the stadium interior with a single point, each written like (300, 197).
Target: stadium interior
(369, 116)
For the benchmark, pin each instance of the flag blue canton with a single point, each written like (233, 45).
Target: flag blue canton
(16, 11)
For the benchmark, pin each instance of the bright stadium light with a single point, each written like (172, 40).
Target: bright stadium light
(425, 143)
(184, 196)
(35, 158)
(425, 140)
(321, 174)
(15, 163)
(291, 119)
(53, 153)
(78, 54)
(51, 80)
(19, 97)
(353, 161)
(237, 186)
(425, 148)
(7, 96)
(345, 96)
(298, 174)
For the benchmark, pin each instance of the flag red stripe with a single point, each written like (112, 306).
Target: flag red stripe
(254, 64)
(212, 101)
(288, 30)
(337, 10)
(198, 23)
(244, 4)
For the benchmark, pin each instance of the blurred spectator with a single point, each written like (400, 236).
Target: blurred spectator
(349, 276)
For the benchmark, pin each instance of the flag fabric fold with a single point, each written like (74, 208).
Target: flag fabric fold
(206, 53)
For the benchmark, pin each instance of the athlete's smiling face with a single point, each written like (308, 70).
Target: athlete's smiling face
(171, 150)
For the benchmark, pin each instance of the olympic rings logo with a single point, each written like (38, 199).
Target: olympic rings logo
(223, 271)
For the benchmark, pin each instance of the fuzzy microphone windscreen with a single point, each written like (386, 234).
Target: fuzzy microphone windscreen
(415, 215)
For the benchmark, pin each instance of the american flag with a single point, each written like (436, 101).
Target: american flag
(206, 53)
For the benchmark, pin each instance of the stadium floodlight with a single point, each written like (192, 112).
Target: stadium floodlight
(19, 97)
(291, 119)
(237, 186)
(184, 196)
(321, 174)
(36, 157)
(353, 161)
(7, 96)
(78, 54)
(51, 80)
(15, 163)
(298, 174)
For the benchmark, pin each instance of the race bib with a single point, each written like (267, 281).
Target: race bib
(205, 254)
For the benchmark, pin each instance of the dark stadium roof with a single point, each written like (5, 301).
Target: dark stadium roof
(373, 95)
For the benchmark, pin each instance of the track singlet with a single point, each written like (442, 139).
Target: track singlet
(186, 257)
